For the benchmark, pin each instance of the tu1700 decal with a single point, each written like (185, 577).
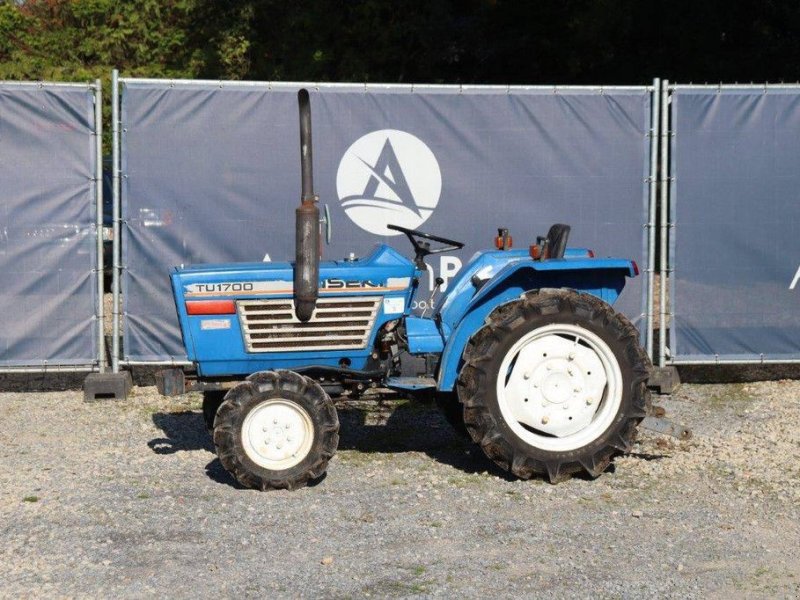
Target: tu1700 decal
(282, 287)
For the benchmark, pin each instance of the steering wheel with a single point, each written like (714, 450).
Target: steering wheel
(423, 248)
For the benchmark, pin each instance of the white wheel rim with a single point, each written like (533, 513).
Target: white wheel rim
(559, 387)
(277, 434)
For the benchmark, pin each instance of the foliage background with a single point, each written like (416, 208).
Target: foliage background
(424, 41)
(431, 41)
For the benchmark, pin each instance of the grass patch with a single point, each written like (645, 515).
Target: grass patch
(466, 480)
(188, 403)
(356, 458)
(608, 498)
(143, 495)
(400, 588)
(737, 393)
(410, 586)
(514, 495)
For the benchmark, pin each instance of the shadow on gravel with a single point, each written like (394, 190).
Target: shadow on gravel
(184, 431)
(647, 457)
(409, 427)
(412, 427)
(737, 373)
(216, 472)
(41, 382)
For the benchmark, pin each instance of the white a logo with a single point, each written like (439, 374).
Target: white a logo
(388, 177)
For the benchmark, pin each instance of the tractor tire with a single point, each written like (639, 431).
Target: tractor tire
(554, 384)
(277, 430)
(212, 400)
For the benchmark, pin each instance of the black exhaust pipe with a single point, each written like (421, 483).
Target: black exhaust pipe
(306, 266)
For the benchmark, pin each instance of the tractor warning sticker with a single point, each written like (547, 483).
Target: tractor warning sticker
(393, 306)
(207, 324)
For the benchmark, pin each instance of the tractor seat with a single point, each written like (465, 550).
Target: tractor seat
(556, 243)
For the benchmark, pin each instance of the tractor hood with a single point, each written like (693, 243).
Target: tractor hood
(380, 266)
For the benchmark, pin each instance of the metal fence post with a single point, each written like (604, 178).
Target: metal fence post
(116, 217)
(98, 130)
(651, 211)
(664, 215)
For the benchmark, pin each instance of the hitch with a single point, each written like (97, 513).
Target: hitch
(174, 382)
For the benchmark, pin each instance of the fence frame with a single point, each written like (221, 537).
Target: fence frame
(661, 206)
(654, 133)
(99, 363)
(655, 90)
(665, 356)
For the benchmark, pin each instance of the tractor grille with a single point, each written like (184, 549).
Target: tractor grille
(337, 324)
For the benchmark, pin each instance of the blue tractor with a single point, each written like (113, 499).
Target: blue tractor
(523, 351)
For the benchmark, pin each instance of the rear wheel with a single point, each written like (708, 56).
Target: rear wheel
(554, 384)
(276, 430)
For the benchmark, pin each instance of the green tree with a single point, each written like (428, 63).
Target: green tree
(80, 40)
(436, 41)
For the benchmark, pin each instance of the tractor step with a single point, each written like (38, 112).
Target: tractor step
(107, 386)
(412, 384)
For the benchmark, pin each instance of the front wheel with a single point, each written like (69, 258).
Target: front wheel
(554, 383)
(276, 430)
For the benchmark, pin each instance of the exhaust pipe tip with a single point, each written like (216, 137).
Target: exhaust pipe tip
(304, 309)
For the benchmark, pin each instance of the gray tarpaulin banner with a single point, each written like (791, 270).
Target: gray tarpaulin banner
(736, 208)
(211, 173)
(48, 250)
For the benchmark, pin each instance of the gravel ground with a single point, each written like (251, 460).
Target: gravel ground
(128, 499)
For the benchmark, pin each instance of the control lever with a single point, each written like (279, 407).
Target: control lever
(438, 281)
(325, 223)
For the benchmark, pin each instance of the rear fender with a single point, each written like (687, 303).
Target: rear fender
(605, 278)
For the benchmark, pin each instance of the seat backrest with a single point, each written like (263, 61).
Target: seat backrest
(557, 240)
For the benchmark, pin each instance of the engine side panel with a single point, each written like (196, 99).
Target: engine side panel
(424, 336)
(356, 298)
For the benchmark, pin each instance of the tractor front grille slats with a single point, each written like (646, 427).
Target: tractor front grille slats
(337, 324)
